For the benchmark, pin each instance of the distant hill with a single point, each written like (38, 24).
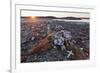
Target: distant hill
(71, 18)
(53, 17)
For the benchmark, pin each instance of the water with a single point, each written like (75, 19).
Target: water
(82, 20)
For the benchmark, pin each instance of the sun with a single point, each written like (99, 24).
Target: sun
(33, 17)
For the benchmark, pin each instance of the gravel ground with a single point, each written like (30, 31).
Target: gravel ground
(51, 55)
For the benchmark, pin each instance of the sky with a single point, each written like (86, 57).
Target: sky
(51, 13)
